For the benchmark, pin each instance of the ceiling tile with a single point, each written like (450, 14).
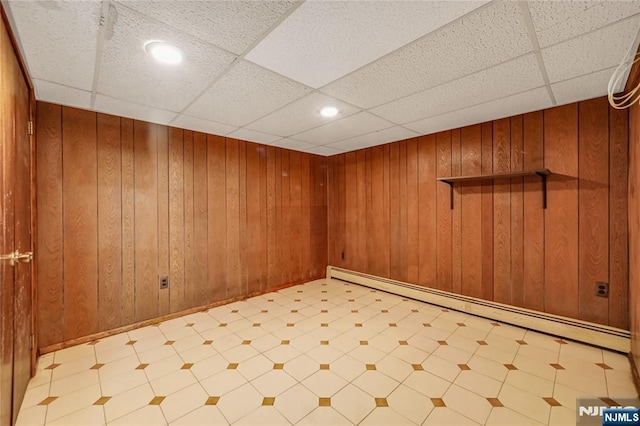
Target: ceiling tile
(131, 110)
(169, 87)
(591, 52)
(502, 80)
(557, 21)
(246, 93)
(324, 150)
(293, 144)
(65, 57)
(348, 35)
(488, 36)
(202, 125)
(63, 95)
(231, 25)
(301, 115)
(354, 125)
(521, 103)
(391, 134)
(253, 136)
(583, 87)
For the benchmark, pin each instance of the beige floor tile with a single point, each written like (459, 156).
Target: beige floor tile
(223, 382)
(525, 403)
(32, 416)
(127, 402)
(150, 415)
(410, 354)
(282, 354)
(123, 382)
(239, 402)
(177, 404)
(163, 367)
(445, 416)
(561, 416)
(254, 367)
(410, 404)
(34, 395)
(92, 415)
(75, 354)
(74, 382)
(273, 382)
(441, 368)
(72, 367)
(375, 383)
(112, 352)
(156, 354)
(208, 367)
(537, 367)
(427, 384)
(353, 403)
(296, 402)
(263, 416)
(367, 354)
(395, 368)
(488, 367)
(173, 382)
(501, 416)
(325, 416)
(324, 383)
(579, 350)
(497, 353)
(587, 383)
(467, 403)
(530, 383)
(300, 367)
(509, 331)
(324, 354)
(381, 416)
(72, 402)
(453, 354)
(541, 340)
(204, 416)
(239, 353)
(480, 384)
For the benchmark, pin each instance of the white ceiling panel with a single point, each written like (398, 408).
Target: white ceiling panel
(591, 52)
(131, 110)
(342, 129)
(301, 115)
(58, 39)
(517, 104)
(169, 87)
(488, 36)
(231, 25)
(557, 21)
(245, 94)
(347, 35)
(502, 80)
(253, 136)
(63, 95)
(324, 150)
(293, 144)
(391, 134)
(202, 125)
(573, 90)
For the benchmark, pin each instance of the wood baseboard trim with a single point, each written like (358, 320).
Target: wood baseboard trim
(101, 335)
(634, 372)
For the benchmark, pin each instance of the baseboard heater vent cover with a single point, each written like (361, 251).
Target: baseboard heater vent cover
(582, 331)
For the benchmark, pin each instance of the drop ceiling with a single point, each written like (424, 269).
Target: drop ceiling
(262, 70)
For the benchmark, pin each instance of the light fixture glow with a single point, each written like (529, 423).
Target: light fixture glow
(329, 111)
(163, 52)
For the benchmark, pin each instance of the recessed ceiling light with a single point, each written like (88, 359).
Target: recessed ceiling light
(163, 52)
(329, 111)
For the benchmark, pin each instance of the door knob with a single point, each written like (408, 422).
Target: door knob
(24, 257)
(11, 257)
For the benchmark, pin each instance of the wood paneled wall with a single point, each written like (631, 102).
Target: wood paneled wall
(388, 216)
(121, 202)
(634, 236)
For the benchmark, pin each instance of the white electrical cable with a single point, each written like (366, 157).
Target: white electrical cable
(623, 101)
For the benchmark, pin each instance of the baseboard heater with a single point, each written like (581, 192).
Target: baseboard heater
(582, 331)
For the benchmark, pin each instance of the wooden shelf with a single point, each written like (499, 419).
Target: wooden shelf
(543, 173)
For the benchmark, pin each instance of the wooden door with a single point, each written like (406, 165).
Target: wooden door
(16, 214)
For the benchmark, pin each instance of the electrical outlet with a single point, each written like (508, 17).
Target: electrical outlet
(602, 289)
(164, 282)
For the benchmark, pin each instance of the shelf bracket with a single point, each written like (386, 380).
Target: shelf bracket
(450, 183)
(543, 176)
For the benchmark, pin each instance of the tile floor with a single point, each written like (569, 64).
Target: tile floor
(324, 352)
